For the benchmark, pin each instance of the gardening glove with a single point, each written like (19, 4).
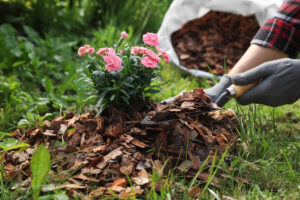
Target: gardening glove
(215, 91)
(279, 83)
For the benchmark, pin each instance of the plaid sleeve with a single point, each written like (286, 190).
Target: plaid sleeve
(282, 31)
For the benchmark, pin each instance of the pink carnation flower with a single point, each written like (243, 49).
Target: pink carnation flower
(164, 54)
(124, 35)
(85, 49)
(152, 55)
(151, 39)
(138, 50)
(81, 51)
(105, 51)
(149, 62)
(91, 50)
(114, 63)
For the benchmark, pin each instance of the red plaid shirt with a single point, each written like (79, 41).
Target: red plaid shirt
(283, 30)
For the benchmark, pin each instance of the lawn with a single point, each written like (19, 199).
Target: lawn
(41, 78)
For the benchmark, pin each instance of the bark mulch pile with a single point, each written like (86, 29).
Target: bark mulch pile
(93, 156)
(214, 39)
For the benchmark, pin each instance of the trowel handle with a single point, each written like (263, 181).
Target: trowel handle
(241, 89)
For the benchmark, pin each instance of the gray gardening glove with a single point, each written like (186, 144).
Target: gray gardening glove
(280, 83)
(215, 91)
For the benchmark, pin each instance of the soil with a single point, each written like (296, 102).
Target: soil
(93, 155)
(213, 41)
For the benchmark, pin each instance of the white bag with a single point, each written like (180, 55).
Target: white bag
(182, 11)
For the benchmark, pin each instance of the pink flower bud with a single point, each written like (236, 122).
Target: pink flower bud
(124, 35)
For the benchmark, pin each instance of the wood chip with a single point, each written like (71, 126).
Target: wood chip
(120, 182)
(194, 192)
(112, 155)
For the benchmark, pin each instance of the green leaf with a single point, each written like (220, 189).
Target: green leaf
(40, 167)
(100, 100)
(48, 85)
(23, 123)
(125, 100)
(18, 63)
(12, 144)
(112, 97)
(3, 135)
(125, 93)
(153, 91)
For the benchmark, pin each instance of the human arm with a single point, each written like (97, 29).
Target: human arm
(254, 56)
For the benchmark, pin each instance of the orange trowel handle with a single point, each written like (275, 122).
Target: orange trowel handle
(241, 89)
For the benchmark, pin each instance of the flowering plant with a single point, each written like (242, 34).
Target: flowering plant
(123, 75)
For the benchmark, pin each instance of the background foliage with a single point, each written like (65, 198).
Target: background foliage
(39, 69)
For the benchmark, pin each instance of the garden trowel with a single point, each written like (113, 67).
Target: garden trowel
(233, 91)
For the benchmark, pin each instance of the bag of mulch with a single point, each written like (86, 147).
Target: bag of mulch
(207, 37)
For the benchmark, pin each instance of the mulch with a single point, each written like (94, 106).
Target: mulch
(94, 155)
(214, 40)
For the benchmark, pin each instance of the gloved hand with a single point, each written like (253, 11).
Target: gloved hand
(215, 91)
(280, 83)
